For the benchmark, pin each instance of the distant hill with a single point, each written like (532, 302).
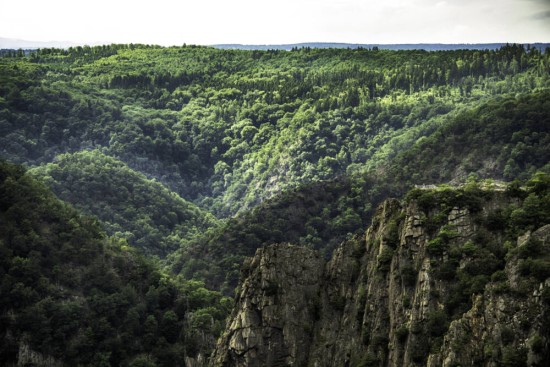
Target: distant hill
(15, 44)
(400, 46)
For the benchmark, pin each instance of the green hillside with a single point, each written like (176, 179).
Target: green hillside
(130, 206)
(301, 144)
(227, 129)
(505, 138)
(502, 138)
(199, 156)
(69, 294)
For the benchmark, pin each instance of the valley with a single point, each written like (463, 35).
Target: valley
(144, 187)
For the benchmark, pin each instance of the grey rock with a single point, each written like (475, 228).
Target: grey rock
(374, 302)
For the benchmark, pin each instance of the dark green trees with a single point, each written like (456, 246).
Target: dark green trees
(72, 294)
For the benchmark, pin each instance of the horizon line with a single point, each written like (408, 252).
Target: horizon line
(101, 43)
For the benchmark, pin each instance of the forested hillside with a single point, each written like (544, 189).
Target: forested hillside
(503, 138)
(131, 207)
(70, 295)
(156, 141)
(227, 129)
(195, 157)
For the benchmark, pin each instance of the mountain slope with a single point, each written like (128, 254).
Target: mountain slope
(228, 129)
(70, 295)
(502, 139)
(319, 215)
(505, 138)
(441, 279)
(129, 205)
(293, 147)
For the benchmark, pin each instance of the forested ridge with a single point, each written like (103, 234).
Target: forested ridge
(72, 295)
(227, 128)
(132, 207)
(504, 138)
(198, 156)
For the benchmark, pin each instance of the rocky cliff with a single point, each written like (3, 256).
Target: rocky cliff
(435, 281)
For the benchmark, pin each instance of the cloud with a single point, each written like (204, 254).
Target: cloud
(285, 21)
(541, 15)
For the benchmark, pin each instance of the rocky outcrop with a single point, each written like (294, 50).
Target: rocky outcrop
(29, 357)
(502, 326)
(422, 287)
(276, 308)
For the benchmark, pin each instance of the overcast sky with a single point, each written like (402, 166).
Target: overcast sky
(174, 22)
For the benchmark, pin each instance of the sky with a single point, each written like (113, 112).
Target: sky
(206, 22)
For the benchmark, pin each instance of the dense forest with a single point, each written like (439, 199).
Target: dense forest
(226, 128)
(322, 215)
(77, 296)
(188, 159)
(129, 205)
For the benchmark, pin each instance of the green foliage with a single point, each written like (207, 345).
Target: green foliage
(228, 130)
(445, 198)
(436, 246)
(391, 236)
(537, 268)
(535, 209)
(84, 298)
(289, 146)
(470, 266)
(470, 249)
(310, 215)
(494, 132)
(402, 333)
(384, 259)
(514, 356)
(531, 248)
(128, 204)
(437, 323)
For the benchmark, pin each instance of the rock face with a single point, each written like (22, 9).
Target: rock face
(276, 307)
(28, 357)
(420, 288)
